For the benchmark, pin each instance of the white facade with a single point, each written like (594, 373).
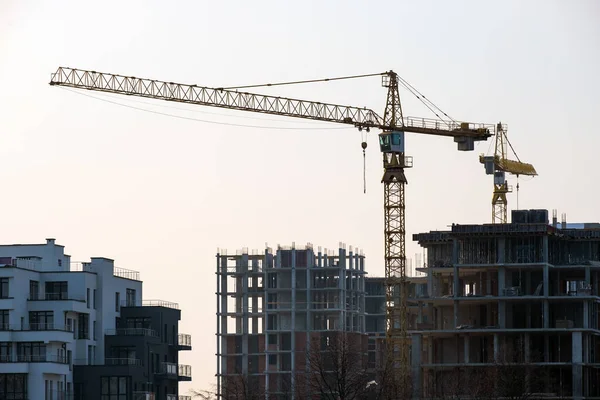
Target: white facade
(48, 326)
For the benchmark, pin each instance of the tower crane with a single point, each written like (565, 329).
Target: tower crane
(393, 125)
(498, 165)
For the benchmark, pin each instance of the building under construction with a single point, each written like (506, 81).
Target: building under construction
(272, 305)
(521, 294)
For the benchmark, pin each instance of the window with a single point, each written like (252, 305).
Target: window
(31, 352)
(5, 352)
(117, 301)
(123, 352)
(4, 323)
(59, 262)
(130, 298)
(87, 298)
(13, 386)
(94, 329)
(83, 328)
(57, 290)
(115, 387)
(138, 322)
(94, 299)
(272, 359)
(34, 290)
(41, 320)
(3, 288)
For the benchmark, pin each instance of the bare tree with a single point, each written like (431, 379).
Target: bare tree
(336, 368)
(242, 387)
(203, 394)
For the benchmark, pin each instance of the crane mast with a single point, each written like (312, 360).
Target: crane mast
(391, 141)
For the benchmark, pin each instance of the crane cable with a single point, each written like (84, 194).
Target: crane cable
(300, 82)
(197, 119)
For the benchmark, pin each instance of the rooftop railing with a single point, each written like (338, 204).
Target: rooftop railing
(80, 266)
(126, 273)
(185, 370)
(160, 303)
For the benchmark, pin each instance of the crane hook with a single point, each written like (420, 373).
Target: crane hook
(364, 147)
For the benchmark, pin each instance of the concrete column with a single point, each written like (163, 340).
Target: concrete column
(455, 314)
(501, 303)
(488, 283)
(546, 274)
(417, 341)
(586, 314)
(577, 354)
(467, 343)
(293, 328)
(456, 289)
(454, 251)
(527, 348)
(501, 250)
(588, 275)
(546, 315)
(545, 257)
(496, 346)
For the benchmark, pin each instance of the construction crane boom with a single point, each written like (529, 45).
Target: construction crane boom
(499, 165)
(391, 140)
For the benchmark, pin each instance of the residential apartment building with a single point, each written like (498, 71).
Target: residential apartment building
(518, 294)
(273, 306)
(81, 330)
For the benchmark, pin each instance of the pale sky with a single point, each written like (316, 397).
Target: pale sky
(160, 194)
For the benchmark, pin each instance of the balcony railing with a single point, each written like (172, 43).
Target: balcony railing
(169, 368)
(54, 296)
(143, 396)
(183, 397)
(185, 371)
(160, 303)
(123, 361)
(44, 358)
(184, 340)
(80, 266)
(131, 332)
(42, 326)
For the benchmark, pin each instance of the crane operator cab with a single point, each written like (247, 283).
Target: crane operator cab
(391, 142)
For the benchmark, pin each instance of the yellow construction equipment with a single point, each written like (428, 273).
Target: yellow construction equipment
(393, 126)
(498, 165)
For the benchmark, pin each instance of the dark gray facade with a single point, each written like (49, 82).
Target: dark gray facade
(141, 358)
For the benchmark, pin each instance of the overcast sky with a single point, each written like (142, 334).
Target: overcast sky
(159, 194)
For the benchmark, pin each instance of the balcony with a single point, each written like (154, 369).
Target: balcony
(54, 297)
(131, 332)
(44, 358)
(184, 342)
(174, 371)
(143, 396)
(38, 332)
(185, 372)
(178, 397)
(111, 362)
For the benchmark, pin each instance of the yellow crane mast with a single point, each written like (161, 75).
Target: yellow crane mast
(391, 140)
(499, 165)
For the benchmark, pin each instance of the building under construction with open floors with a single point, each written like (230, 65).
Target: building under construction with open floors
(272, 305)
(522, 295)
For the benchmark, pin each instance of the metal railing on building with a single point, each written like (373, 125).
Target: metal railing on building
(185, 370)
(131, 332)
(160, 303)
(126, 273)
(184, 340)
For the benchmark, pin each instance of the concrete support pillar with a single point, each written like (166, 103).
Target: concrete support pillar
(546, 314)
(501, 250)
(501, 303)
(293, 328)
(456, 289)
(496, 346)
(586, 314)
(417, 341)
(467, 343)
(527, 344)
(546, 284)
(577, 354)
(546, 348)
(488, 283)
(455, 315)
(454, 251)
(588, 275)
(545, 253)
